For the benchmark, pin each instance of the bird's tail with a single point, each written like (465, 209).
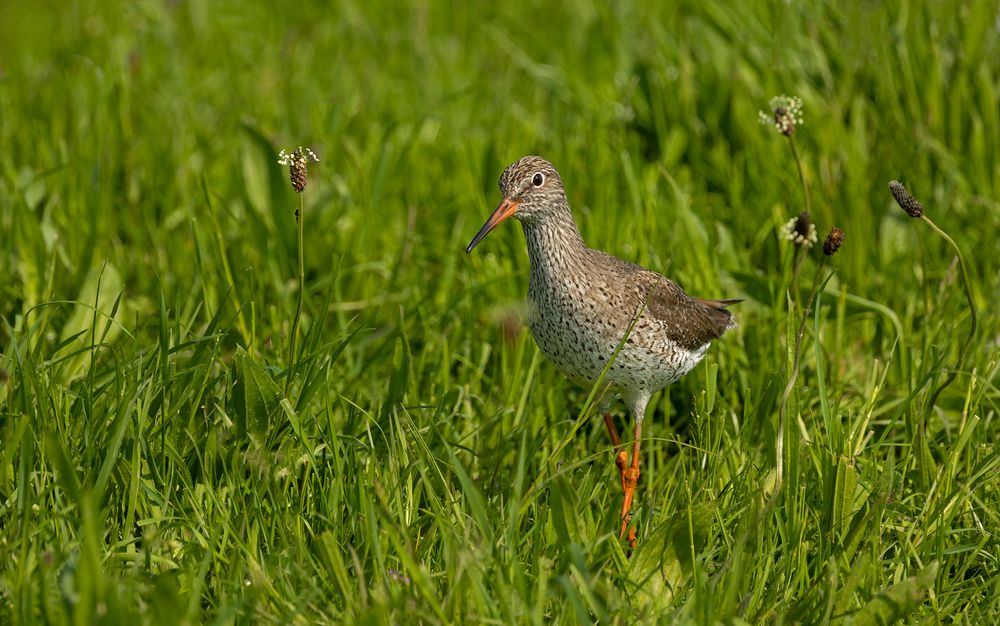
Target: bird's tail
(720, 306)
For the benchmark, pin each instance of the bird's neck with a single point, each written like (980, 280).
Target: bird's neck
(554, 244)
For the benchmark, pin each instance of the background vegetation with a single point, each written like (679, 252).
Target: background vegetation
(428, 464)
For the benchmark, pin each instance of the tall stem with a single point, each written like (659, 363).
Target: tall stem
(964, 353)
(797, 263)
(299, 218)
(802, 174)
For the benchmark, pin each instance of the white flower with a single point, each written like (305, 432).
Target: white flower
(800, 231)
(786, 114)
(301, 156)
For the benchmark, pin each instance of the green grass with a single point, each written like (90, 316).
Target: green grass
(428, 464)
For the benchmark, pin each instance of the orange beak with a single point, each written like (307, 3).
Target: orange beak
(505, 210)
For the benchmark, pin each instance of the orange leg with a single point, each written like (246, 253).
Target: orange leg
(630, 477)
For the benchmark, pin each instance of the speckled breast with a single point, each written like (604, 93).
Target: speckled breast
(579, 332)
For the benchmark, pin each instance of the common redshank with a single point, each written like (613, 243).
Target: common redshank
(583, 302)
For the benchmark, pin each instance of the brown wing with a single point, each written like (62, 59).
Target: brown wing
(691, 322)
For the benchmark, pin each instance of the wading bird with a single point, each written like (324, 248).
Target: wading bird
(584, 301)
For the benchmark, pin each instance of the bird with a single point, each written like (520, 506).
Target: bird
(584, 304)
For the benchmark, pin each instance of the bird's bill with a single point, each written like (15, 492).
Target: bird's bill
(505, 210)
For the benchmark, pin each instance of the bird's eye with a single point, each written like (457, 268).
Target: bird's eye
(538, 179)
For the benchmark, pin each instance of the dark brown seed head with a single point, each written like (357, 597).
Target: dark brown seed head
(299, 175)
(784, 121)
(833, 242)
(298, 166)
(905, 199)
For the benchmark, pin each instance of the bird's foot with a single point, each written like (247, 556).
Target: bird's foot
(630, 477)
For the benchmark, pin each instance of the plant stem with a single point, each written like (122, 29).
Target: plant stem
(802, 174)
(964, 352)
(800, 259)
(299, 218)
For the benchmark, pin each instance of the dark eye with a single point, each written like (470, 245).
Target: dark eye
(538, 179)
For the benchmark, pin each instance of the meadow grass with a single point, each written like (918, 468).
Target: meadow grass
(427, 465)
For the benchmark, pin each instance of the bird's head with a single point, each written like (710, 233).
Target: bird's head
(531, 190)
